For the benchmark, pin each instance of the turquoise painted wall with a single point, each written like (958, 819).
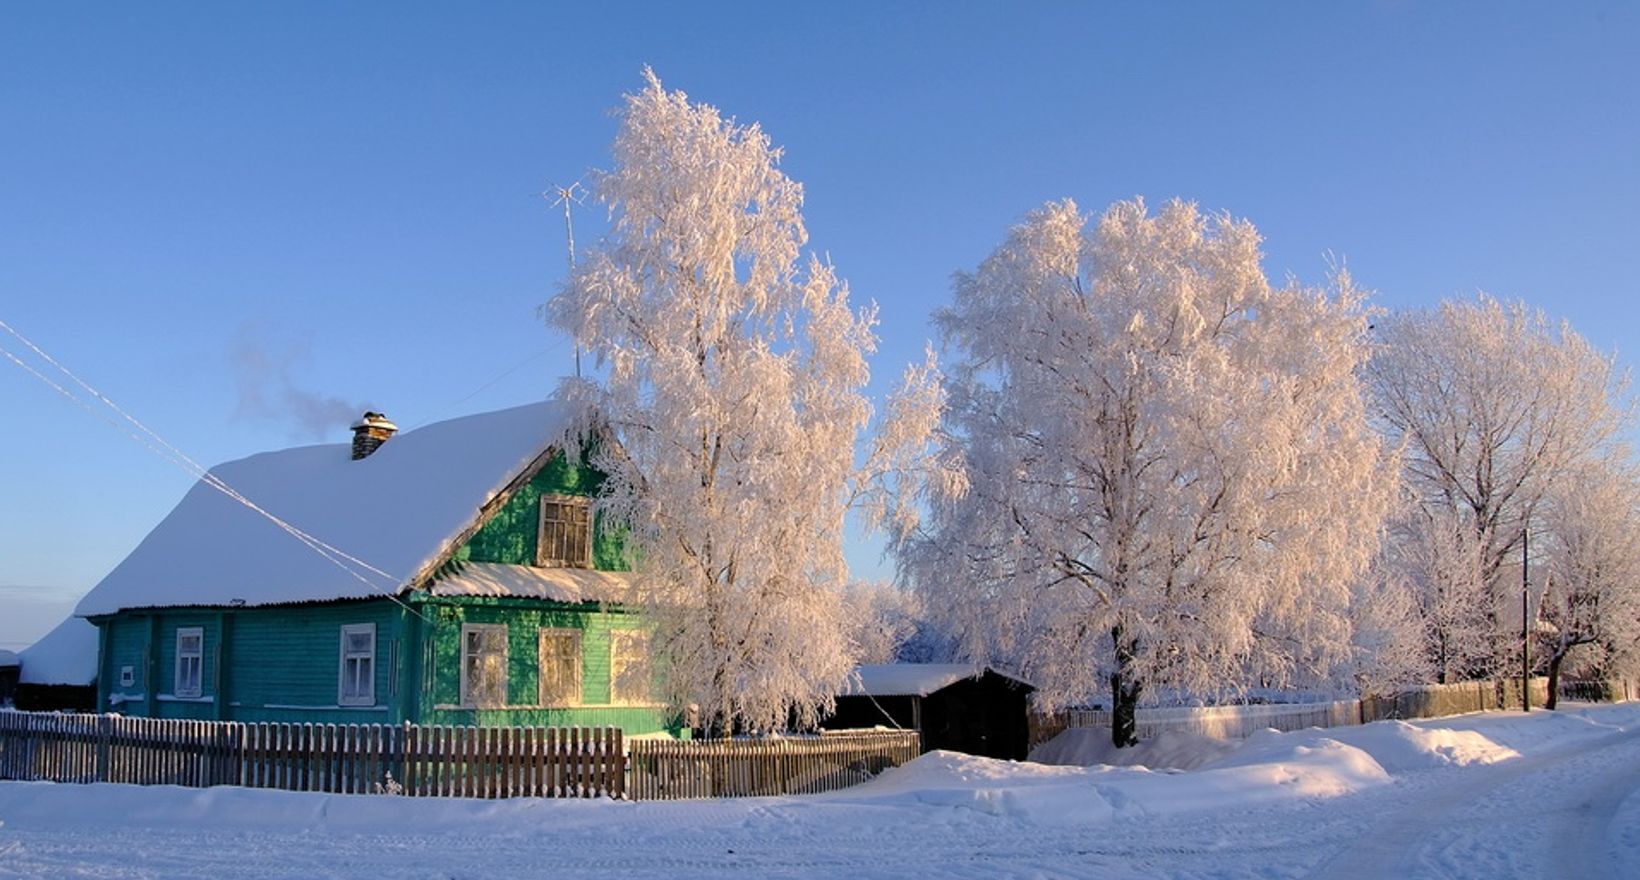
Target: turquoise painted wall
(282, 663)
(291, 657)
(257, 662)
(147, 643)
(510, 536)
(127, 642)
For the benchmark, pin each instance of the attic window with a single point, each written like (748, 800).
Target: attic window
(564, 539)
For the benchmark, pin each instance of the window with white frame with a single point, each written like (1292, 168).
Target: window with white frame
(560, 660)
(357, 686)
(564, 538)
(484, 665)
(629, 668)
(190, 678)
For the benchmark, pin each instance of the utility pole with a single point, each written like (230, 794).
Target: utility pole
(1525, 626)
(567, 196)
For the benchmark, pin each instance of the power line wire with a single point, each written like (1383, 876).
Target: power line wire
(175, 456)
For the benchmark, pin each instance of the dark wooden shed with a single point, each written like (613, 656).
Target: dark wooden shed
(8, 676)
(957, 707)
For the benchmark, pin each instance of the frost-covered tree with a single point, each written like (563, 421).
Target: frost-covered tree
(734, 376)
(1386, 635)
(882, 617)
(1171, 481)
(1592, 598)
(1438, 555)
(1492, 406)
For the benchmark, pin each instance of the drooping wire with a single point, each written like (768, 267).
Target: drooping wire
(148, 438)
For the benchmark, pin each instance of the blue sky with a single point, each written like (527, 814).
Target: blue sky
(239, 222)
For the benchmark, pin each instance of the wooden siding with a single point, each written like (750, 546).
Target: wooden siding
(126, 641)
(510, 535)
(524, 619)
(270, 659)
(282, 663)
(291, 656)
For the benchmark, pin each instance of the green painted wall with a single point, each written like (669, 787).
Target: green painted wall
(441, 691)
(510, 535)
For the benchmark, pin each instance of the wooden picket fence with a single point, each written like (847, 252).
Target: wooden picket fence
(433, 760)
(670, 770)
(1239, 722)
(430, 760)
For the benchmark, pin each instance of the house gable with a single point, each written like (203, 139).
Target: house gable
(510, 533)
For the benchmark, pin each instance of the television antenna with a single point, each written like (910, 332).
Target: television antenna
(569, 197)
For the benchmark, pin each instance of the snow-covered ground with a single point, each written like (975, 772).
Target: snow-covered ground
(1483, 796)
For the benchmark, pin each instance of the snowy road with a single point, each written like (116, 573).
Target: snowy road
(1551, 795)
(1547, 815)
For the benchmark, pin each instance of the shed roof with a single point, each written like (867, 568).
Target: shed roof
(909, 679)
(401, 510)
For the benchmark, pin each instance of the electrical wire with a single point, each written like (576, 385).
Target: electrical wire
(148, 438)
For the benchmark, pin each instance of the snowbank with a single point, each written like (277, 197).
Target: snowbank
(1276, 805)
(1088, 746)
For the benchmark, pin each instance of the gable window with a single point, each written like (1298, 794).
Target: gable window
(564, 538)
(190, 678)
(483, 665)
(629, 669)
(560, 667)
(358, 666)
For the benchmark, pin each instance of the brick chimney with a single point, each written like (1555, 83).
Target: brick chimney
(369, 432)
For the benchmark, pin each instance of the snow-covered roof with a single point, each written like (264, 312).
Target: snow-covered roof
(400, 510)
(907, 679)
(558, 584)
(66, 655)
(7, 658)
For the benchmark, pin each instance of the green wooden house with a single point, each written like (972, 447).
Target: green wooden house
(451, 574)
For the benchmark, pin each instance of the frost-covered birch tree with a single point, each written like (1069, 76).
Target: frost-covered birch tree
(734, 392)
(1171, 478)
(1493, 407)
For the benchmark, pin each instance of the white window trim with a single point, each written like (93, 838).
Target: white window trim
(466, 693)
(616, 635)
(541, 558)
(368, 698)
(199, 685)
(579, 697)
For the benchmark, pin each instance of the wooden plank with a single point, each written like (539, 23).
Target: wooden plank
(410, 765)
